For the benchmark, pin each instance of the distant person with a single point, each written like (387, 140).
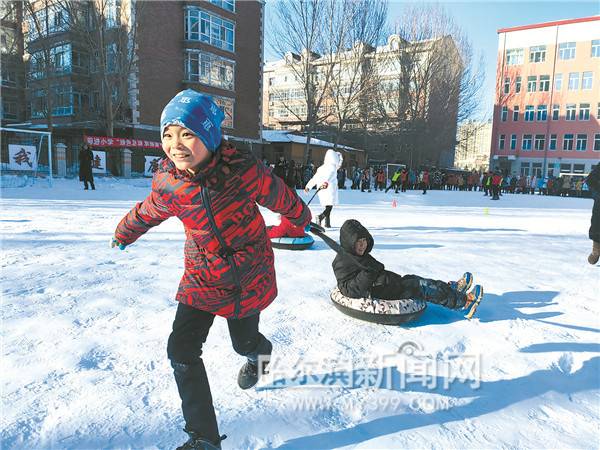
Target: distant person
(326, 178)
(280, 168)
(593, 183)
(85, 167)
(395, 181)
(424, 178)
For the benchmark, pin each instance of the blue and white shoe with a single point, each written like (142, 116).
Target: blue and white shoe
(473, 299)
(463, 284)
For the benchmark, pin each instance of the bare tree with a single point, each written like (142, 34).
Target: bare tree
(309, 35)
(438, 84)
(354, 73)
(38, 54)
(107, 31)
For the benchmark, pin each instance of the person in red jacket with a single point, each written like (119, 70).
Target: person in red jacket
(496, 183)
(215, 190)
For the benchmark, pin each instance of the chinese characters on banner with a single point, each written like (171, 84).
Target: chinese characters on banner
(22, 157)
(99, 162)
(151, 165)
(105, 141)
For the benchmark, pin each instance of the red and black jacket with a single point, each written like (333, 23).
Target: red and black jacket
(229, 264)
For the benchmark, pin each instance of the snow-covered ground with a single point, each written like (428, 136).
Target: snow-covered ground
(84, 330)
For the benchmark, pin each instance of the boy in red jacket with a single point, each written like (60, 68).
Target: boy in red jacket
(229, 271)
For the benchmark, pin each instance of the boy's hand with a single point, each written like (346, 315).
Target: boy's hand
(306, 190)
(115, 243)
(324, 185)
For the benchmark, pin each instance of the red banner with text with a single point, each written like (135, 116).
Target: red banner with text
(105, 141)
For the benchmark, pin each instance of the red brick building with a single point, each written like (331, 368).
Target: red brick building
(213, 46)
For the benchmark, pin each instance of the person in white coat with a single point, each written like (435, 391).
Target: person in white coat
(326, 178)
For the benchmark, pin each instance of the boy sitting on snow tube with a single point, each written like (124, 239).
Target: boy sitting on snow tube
(359, 275)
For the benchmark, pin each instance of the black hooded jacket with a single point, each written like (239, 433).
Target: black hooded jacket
(355, 274)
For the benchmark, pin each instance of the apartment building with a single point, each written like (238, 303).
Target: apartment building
(151, 51)
(547, 111)
(392, 106)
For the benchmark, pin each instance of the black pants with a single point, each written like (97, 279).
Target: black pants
(325, 215)
(91, 181)
(184, 349)
(595, 226)
(391, 286)
(495, 192)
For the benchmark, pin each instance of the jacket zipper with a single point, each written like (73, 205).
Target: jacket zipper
(227, 252)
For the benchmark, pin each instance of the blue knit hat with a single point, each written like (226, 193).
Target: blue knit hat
(196, 112)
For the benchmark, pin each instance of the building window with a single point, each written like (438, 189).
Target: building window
(584, 111)
(518, 85)
(229, 5)
(112, 55)
(565, 168)
(558, 82)
(63, 100)
(581, 142)
(525, 169)
(596, 48)
(47, 20)
(542, 113)
(513, 141)
(506, 85)
(526, 144)
(210, 28)
(587, 79)
(544, 83)
(597, 142)
(568, 142)
(61, 58)
(531, 83)
(112, 12)
(504, 114)
(578, 168)
(213, 70)
(227, 105)
(537, 54)
(552, 143)
(9, 109)
(516, 113)
(501, 142)
(540, 141)
(529, 113)
(555, 112)
(566, 50)
(573, 81)
(514, 56)
(571, 110)
(598, 112)
(9, 77)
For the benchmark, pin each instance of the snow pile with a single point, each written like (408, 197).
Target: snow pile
(84, 330)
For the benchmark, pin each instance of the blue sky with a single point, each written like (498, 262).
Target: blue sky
(481, 19)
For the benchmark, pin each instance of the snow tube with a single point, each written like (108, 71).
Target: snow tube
(385, 312)
(293, 243)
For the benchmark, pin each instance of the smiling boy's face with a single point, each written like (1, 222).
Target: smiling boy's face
(184, 148)
(360, 246)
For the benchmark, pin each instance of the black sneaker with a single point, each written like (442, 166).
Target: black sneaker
(252, 370)
(196, 442)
